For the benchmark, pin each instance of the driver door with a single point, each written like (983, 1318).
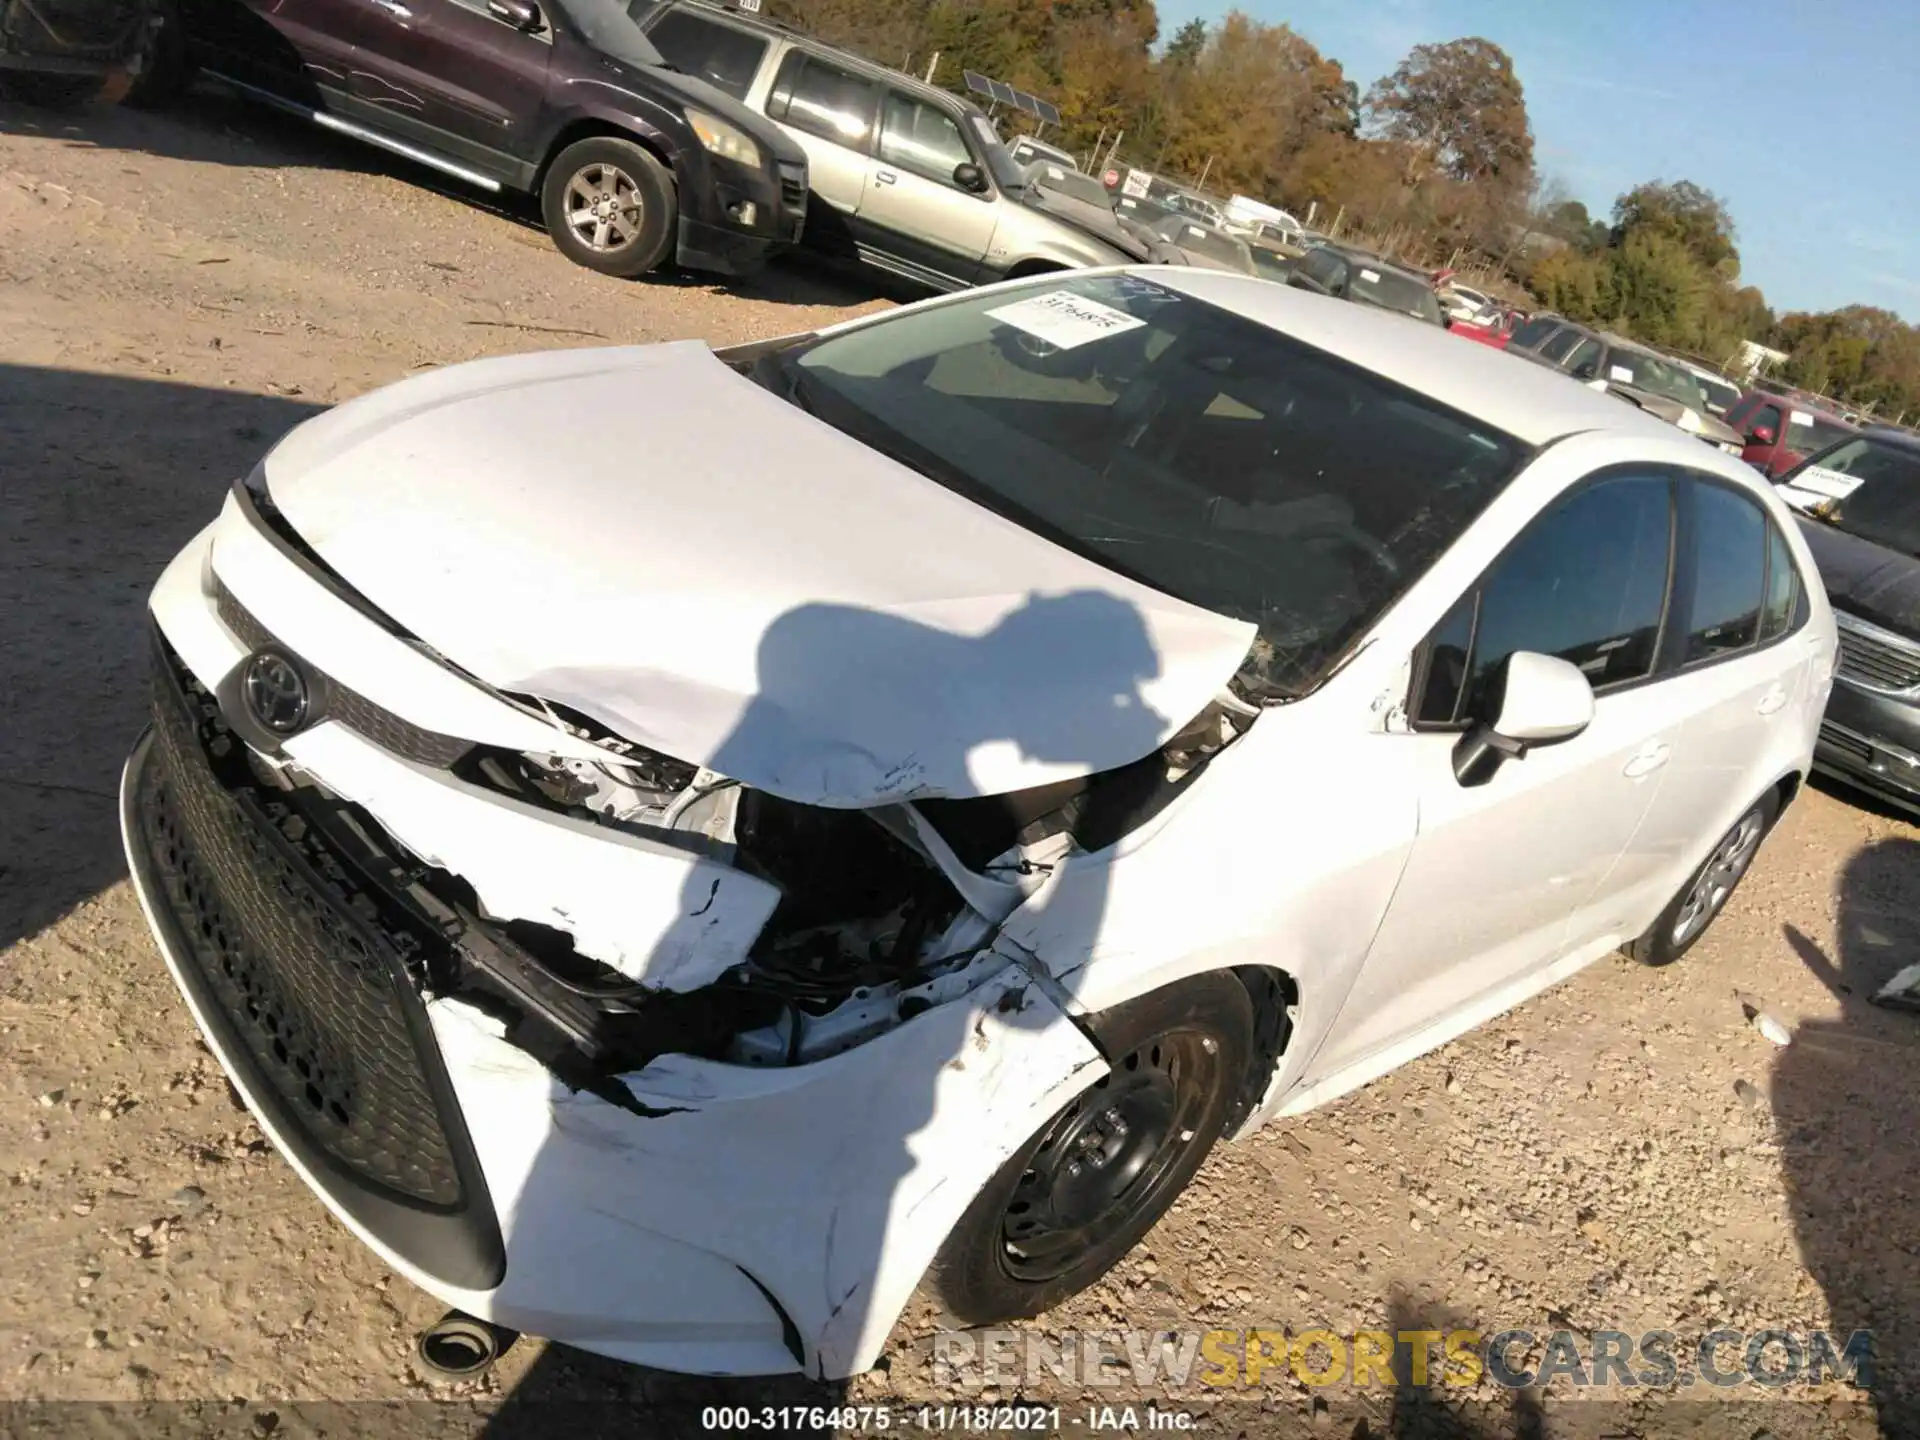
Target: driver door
(911, 197)
(1499, 870)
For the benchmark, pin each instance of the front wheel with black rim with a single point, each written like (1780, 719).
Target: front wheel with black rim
(609, 205)
(1096, 1177)
(1708, 889)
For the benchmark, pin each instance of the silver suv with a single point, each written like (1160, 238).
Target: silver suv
(905, 176)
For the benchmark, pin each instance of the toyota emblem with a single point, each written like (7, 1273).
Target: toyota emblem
(275, 691)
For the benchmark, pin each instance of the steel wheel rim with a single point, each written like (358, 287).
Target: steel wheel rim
(1126, 1135)
(1717, 878)
(604, 207)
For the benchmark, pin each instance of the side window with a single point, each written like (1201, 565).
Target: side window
(1533, 332)
(724, 57)
(1782, 605)
(1560, 346)
(1587, 581)
(1767, 418)
(1587, 352)
(1729, 572)
(824, 100)
(917, 136)
(1736, 415)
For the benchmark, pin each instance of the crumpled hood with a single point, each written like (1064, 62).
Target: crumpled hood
(646, 536)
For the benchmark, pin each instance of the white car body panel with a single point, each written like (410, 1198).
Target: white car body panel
(438, 499)
(1329, 841)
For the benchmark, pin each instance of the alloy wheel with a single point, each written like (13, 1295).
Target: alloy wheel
(1718, 876)
(604, 207)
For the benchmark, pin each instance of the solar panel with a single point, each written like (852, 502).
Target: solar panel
(1024, 101)
(978, 83)
(1046, 110)
(1002, 91)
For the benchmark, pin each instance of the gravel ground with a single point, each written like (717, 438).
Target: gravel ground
(1627, 1152)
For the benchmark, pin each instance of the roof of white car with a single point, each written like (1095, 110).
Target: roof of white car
(1530, 402)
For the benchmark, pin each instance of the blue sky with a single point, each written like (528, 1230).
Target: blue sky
(1803, 117)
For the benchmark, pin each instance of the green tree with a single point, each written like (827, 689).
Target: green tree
(1684, 212)
(1461, 110)
(1187, 43)
(1659, 291)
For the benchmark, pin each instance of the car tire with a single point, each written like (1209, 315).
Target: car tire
(165, 70)
(609, 205)
(1689, 914)
(1054, 1218)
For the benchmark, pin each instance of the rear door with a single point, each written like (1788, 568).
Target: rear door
(453, 77)
(1737, 658)
(296, 50)
(912, 206)
(832, 111)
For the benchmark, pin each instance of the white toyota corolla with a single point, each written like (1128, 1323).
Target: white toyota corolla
(680, 848)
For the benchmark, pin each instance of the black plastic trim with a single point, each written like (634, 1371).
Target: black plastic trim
(459, 1245)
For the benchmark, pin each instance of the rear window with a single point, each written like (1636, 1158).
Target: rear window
(824, 100)
(1391, 290)
(717, 53)
(1533, 332)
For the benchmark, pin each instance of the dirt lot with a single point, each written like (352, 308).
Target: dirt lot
(1628, 1152)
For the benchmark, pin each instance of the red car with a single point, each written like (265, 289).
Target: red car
(1781, 431)
(1498, 334)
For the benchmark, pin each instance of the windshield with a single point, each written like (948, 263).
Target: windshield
(1391, 290)
(1071, 183)
(1721, 396)
(613, 28)
(1270, 265)
(1205, 240)
(1173, 442)
(1808, 433)
(1134, 208)
(1867, 489)
(1651, 373)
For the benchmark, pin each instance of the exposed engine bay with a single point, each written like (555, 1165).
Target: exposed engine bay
(883, 913)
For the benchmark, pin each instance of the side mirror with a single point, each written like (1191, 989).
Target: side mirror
(1446, 319)
(1760, 435)
(1535, 700)
(520, 14)
(970, 177)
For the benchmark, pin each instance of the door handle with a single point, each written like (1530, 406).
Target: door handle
(1771, 702)
(395, 9)
(1650, 759)
(884, 177)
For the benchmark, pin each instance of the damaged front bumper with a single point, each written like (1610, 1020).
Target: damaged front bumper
(692, 1212)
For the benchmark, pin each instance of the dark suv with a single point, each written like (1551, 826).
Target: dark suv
(1861, 498)
(1363, 277)
(633, 162)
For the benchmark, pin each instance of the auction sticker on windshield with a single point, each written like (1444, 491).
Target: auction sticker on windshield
(1831, 483)
(1064, 319)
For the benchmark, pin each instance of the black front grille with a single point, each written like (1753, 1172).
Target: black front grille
(1882, 664)
(312, 985)
(352, 709)
(793, 200)
(1850, 746)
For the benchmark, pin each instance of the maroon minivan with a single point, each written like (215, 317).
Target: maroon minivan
(1780, 431)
